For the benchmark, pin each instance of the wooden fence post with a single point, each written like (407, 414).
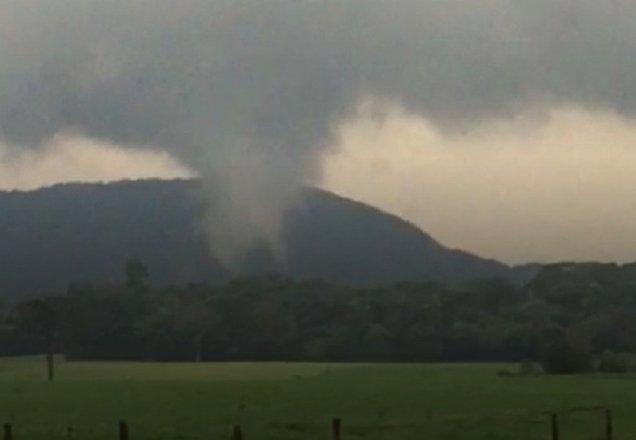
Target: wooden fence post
(555, 427)
(609, 428)
(335, 429)
(8, 433)
(237, 433)
(123, 430)
(50, 365)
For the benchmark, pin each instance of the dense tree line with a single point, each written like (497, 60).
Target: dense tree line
(572, 312)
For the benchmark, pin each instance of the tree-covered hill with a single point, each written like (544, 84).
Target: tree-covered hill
(77, 232)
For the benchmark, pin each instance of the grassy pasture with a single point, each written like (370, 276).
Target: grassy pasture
(297, 401)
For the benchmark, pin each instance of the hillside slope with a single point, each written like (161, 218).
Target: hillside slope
(79, 232)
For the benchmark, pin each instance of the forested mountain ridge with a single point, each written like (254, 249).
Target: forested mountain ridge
(76, 232)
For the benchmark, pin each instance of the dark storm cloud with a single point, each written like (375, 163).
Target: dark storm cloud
(158, 72)
(247, 91)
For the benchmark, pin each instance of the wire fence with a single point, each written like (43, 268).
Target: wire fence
(552, 424)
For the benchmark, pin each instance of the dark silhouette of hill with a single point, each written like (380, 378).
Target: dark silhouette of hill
(85, 232)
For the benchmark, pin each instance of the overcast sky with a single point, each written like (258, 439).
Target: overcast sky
(503, 127)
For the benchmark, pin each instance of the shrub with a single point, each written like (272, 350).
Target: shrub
(529, 368)
(562, 357)
(504, 373)
(611, 362)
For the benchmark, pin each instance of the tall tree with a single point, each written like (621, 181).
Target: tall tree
(136, 274)
(42, 318)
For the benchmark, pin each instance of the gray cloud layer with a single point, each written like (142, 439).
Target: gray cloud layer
(247, 92)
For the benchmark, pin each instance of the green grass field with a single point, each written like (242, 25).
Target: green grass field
(297, 401)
